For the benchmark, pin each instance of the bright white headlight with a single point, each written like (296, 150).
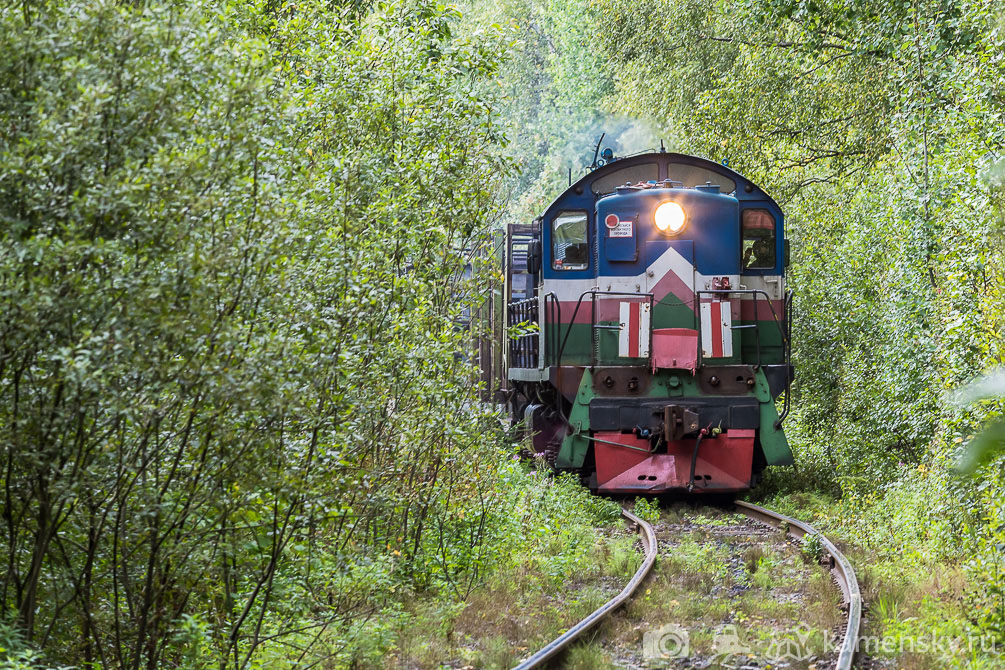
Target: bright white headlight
(670, 218)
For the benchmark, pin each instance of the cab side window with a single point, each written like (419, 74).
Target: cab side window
(758, 230)
(570, 247)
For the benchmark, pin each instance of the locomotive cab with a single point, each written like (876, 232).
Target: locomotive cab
(650, 328)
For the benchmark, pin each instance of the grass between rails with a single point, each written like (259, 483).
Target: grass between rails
(720, 579)
(716, 571)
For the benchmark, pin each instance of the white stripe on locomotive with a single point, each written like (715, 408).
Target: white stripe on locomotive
(634, 343)
(716, 331)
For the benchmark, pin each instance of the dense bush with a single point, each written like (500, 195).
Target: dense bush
(236, 241)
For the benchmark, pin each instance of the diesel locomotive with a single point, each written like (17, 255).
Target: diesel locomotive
(649, 328)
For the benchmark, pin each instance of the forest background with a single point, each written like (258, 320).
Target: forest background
(237, 238)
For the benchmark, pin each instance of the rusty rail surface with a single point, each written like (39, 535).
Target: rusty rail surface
(562, 641)
(841, 569)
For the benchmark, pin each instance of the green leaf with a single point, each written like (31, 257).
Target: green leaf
(991, 385)
(988, 444)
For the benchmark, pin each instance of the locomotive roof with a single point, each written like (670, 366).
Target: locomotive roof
(660, 165)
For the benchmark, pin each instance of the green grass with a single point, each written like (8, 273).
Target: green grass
(586, 656)
(647, 509)
(622, 558)
(716, 520)
(762, 576)
(708, 579)
(498, 654)
(916, 595)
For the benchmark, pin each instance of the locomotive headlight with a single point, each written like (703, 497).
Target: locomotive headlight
(670, 218)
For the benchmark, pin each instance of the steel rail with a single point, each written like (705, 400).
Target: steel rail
(562, 641)
(841, 569)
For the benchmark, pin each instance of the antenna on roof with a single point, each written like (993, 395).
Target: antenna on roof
(663, 149)
(596, 152)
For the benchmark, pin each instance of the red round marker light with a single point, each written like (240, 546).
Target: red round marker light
(611, 221)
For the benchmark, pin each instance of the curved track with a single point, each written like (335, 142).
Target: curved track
(841, 569)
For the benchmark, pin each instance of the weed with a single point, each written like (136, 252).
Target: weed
(647, 509)
(752, 558)
(716, 520)
(623, 559)
(674, 514)
(588, 601)
(691, 557)
(821, 590)
(16, 653)
(813, 548)
(762, 577)
(498, 654)
(589, 656)
(886, 609)
(761, 605)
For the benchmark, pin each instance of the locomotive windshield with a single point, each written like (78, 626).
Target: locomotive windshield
(570, 249)
(686, 174)
(694, 175)
(631, 174)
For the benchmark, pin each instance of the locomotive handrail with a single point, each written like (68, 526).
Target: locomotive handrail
(522, 350)
(568, 331)
(788, 358)
(594, 292)
(784, 330)
(753, 292)
(555, 323)
(784, 325)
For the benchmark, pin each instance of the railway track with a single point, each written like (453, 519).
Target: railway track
(840, 569)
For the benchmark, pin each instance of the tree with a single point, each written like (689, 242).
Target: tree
(232, 264)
